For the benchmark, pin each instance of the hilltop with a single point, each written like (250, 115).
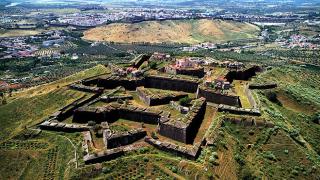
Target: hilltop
(173, 31)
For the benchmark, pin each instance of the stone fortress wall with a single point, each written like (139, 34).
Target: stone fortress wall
(124, 138)
(152, 100)
(218, 98)
(185, 129)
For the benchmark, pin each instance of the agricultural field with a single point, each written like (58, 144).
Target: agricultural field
(178, 31)
(17, 33)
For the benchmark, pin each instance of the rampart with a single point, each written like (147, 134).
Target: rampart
(58, 126)
(68, 110)
(190, 153)
(171, 83)
(114, 111)
(158, 99)
(186, 128)
(198, 71)
(243, 74)
(218, 98)
(109, 154)
(111, 82)
(125, 138)
(263, 86)
(236, 110)
(106, 155)
(115, 98)
(249, 122)
(84, 88)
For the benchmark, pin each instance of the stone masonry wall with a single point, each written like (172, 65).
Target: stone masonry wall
(157, 99)
(125, 138)
(168, 83)
(217, 98)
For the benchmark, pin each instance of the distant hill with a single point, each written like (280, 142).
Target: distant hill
(173, 31)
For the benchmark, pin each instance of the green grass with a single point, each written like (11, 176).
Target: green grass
(31, 106)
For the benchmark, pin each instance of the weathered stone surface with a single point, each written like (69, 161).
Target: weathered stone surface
(218, 98)
(125, 138)
(237, 110)
(263, 86)
(110, 113)
(190, 153)
(84, 88)
(185, 129)
(152, 100)
(63, 127)
(250, 122)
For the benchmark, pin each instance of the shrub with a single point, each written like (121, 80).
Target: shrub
(145, 159)
(106, 170)
(153, 65)
(174, 169)
(240, 160)
(215, 155)
(269, 155)
(185, 101)
(154, 135)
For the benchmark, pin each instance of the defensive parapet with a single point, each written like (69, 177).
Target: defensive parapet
(237, 110)
(250, 122)
(125, 138)
(152, 99)
(171, 83)
(111, 82)
(263, 86)
(114, 111)
(58, 126)
(188, 152)
(218, 98)
(245, 74)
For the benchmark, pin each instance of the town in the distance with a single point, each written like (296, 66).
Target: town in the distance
(144, 89)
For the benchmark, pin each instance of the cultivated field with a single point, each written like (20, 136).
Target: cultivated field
(173, 31)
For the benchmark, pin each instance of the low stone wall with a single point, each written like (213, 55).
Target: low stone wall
(110, 154)
(174, 84)
(245, 74)
(190, 153)
(218, 98)
(115, 98)
(84, 88)
(58, 126)
(157, 99)
(68, 110)
(106, 155)
(125, 138)
(185, 129)
(236, 110)
(112, 82)
(250, 122)
(263, 86)
(197, 72)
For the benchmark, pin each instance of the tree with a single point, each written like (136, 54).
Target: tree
(153, 65)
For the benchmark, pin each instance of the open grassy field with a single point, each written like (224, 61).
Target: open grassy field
(30, 106)
(173, 31)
